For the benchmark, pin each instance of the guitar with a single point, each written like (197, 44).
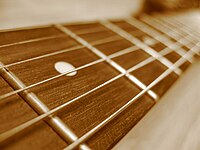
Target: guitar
(85, 85)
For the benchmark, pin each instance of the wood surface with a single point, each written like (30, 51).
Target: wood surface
(114, 140)
(82, 115)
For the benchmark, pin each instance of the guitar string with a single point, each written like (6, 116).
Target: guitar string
(150, 50)
(150, 31)
(120, 110)
(25, 125)
(178, 21)
(176, 30)
(179, 25)
(50, 54)
(76, 69)
(164, 29)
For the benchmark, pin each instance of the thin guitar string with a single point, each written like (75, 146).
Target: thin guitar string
(76, 69)
(183, 27)
(139, 43)
(50, 54)
(179, 30)
(166, 26)
(166, 29)
(146, 17)
(159, 37)
(120, 110)
(196, 33)
(21, 127)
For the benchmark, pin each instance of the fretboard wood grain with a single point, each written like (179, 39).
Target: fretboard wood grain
(92, 109)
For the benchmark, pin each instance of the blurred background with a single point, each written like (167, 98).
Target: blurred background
(174, 123)
(19, 13)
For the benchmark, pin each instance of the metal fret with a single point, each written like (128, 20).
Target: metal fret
(107, 59)
(161, 38)
(140, 44)
(55, 122)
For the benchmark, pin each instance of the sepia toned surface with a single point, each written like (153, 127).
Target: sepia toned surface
(143, 129)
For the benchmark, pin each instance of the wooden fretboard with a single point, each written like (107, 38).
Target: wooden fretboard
(122, 68)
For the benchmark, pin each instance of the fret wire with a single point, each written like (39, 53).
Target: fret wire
(21, 127)
(108, 60)
(179, 29)
(161, 38)
(140, 44)
(97, 42)
(163, 27)
(120, 110)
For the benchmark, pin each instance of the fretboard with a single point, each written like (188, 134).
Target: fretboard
(86, 85)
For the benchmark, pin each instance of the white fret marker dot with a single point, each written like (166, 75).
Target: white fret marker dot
(149, 41)
(64, 67)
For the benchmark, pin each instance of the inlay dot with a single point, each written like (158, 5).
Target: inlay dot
(64, 67)
(149, 41)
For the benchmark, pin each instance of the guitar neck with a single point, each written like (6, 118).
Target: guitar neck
(86, 85)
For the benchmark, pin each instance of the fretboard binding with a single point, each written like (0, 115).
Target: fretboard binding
(140, 44)
(161, 38)
(90, 133)
(107, 59)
